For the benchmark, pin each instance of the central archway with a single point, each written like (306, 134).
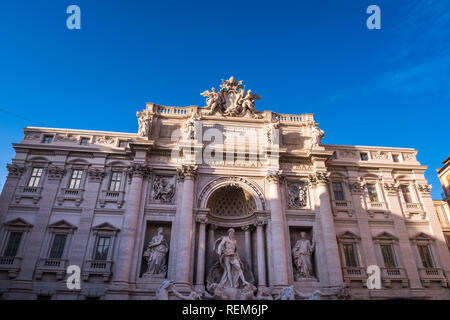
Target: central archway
(231, 202)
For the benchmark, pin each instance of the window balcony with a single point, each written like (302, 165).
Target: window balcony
(354, 274)
(97, 267)
(24, 192)
(11, 265)
(75, 195)
(49, 265)
(428, 275)
(394, 274)
(413, 208)
(112, 197)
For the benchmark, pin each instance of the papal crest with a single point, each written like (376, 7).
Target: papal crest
(232, 100)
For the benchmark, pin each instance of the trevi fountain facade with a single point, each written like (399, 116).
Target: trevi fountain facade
(217, 202)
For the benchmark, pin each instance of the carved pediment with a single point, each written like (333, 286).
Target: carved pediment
(385, 236)
(18, 222)
(348, 235)
(422, 237)
(62, 224)
(231, 100)
(105, 227)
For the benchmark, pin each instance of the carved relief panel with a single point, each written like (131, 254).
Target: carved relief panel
(163, 189)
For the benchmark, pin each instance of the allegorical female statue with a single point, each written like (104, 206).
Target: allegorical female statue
(302, 254)
(156, 255)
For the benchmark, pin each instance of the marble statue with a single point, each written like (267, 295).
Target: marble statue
(144, 120)
(163, 189)
(302, 256)
(270, 130)
(288, 293)
(189, 130)
(317, 135)
(163, 291)
(156, 255)
(230, 261)
(232, 100)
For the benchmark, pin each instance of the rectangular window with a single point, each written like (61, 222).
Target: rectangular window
(364, 156)
(406, 193)
(334, 155)
(102, 248)
(388, 256)
(47, 139)
(338, 191)
(36, 175)
(116, 179)
(75, 180)
(372, 190)
(13, 244)
(395, 158)
(425, 256)
(84, 141)
(351, 259)
(57, 250)
(122, 143)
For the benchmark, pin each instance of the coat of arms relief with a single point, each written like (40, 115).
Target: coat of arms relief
(231, 100)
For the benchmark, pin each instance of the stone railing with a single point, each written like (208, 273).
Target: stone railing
(49, 265)
(24, 192)
(11, 264)
(394, 274)
(428, 275)
(293, 118)
(97, 267)
(70, 194)
(172, 111)
(354, 274)
(112, 196)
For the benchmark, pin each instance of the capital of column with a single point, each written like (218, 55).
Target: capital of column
(318, 178)
(246, 228)
(424, 188)
(138, 170)
(274, 176)
(96, 174)
(15, 170)
(201, 220)
(391, 188)
(55, 172)
(187, 172)
(212, 226)
(356, 187)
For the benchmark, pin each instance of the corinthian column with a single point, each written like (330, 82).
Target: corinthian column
(280, 259)
(201, 252)
(185, 232)
(137, 173)
(319, 182)
(260, 248)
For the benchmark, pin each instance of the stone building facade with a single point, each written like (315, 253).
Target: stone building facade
(443, 206)
(133, 210)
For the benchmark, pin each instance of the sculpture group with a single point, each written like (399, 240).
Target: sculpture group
(231, 100)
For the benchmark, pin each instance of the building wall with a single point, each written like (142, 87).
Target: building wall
(130, 214)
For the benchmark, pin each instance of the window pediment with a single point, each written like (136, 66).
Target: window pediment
(386, 236)
(62, 225)
(18, 223)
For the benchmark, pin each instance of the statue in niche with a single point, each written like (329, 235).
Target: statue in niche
(317, 135)
(163, 189)
(144, 120)
(156, 255)
(298, 195)
(229, 278)
(189, 130)
(302, 256)
(270, 130)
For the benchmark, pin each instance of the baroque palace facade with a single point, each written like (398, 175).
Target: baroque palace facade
(220, 202)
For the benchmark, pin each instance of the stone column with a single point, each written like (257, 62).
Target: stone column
(357, 191)
(201, 252)
(319, 182)
(129, 227)
(248, 245)
(81, 237)
(211, 239)
(280, 257)
(185, 231)
(260, 253)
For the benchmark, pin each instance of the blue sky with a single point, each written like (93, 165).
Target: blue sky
(388, 87)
